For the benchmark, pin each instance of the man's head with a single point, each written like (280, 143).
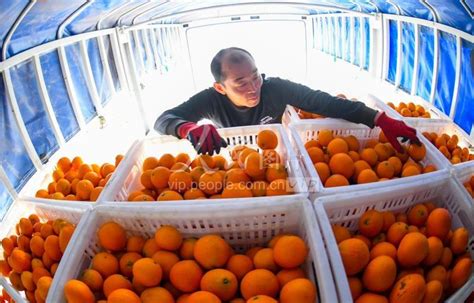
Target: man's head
(237, 76)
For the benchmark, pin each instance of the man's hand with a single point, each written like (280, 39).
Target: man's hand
(393, 129)
(204, 138)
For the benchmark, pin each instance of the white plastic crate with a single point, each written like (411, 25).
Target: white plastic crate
(242, 225)
(303, 132)
(346, 210)
(449, 128)
(127, 177)
(435, 113)
(463, 174)
(45, 211)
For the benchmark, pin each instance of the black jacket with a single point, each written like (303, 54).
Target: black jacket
(275, 94)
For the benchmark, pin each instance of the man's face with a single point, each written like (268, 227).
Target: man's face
(242, 82)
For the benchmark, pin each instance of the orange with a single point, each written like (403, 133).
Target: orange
(180, 181)
(239, 265)
(383, 249)
(264, 258)
(63, 186)
(106, 264)
(256, 299)
(369, 155)
(371, 223)
(459, 240)
(364, 239)
(356, 287)
(323, 171)
(435, 251)
(290, 251)
(78, 292)
(37, 246)
(64, 164)
(355, 255)
(206, 161)
(112, 236)
(166, 260)
(253, 165)
(429, 168)
(186, 276)
(123, 295)
(337, 145)
(52, 247)
(203, 297)
(64, 236)
(410, 288)
(186, 251)
(183, 158)
(92, 279)
(446, 257)
(43, 285)
(259, 282)
(135, 244)
(342, 164)
(367, 176)
(212, 251)
(388, 220)
(150, 248)
(167, 160)
(179, 166)
(93, 177)
(286, 275)
(270, 156)
(417, 215)
(383, 151)
(114, 282)
(27, 280)
(237, 190)
(84, 189)
(126, 263)
(275, 171)
(312, 143)
(352, 143)
(267, 139)
(147, 272)
(278, 187)
(156, 294)
(194, 193)
(236, 175)
(410, 171)
(169, 195)
(325, 136)
(412, 249)
(298, 290)
(168, 237)
(336, 180)
(211, 182)
(434, 292)
(42, 193)
(438, 223)
(396, 232)
(380, 274)
(316, 154)
(38, 273)
(5, 268)
(385, 170)
(221, 282)
(159, 177)
(460, 273)
(417, 152)
(341, 233)
(397, 165)
(438, 273)
(259, 188)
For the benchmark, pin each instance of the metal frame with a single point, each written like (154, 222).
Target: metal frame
(416, 59)
(8, 185)
(147, 11)
(352, 38)
(398, 74)
(146, 42)
(119, 20)
(30, 148)
(117, 54)
(386, 47)
(110, 13)
(90, 78)
(12, 30)
(136, 38)
(434, 79)
(362, 43)
(59, 33)
(105, 63)
(47, 102)
(454, 100)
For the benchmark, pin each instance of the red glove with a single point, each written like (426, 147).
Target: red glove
(204, 138)
(395, 128)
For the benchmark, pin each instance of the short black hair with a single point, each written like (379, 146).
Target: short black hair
(216, 63)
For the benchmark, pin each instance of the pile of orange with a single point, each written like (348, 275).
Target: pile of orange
(448, 146)
(251, 173)
(410, 110)
(341, 161)
(469, 185)
(406, 257)
(77, 181)
(31, 257)
(169, 268)
(5, 297)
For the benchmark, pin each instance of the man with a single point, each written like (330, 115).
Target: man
(242, 96)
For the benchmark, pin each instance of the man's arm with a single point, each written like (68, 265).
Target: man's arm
(195, 109)
(322, 103)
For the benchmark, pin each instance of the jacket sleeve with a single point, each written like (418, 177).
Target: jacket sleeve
(319, 102)
(195, 109)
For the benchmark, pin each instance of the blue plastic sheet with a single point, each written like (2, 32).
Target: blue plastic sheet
(357, 41)
(367, 43)
(325, 30)
(446, 72)
(32, 110)
(464, 114)
(338, 32)
(58, 94)
(13, 155)
(425, 62)
(347, 39)
(103, 89)
(393, 48)
(408, 56)
(149, 60)
(76, 68)
(136, 54)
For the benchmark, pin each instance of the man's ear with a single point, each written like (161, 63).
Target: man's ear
(219, 88)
